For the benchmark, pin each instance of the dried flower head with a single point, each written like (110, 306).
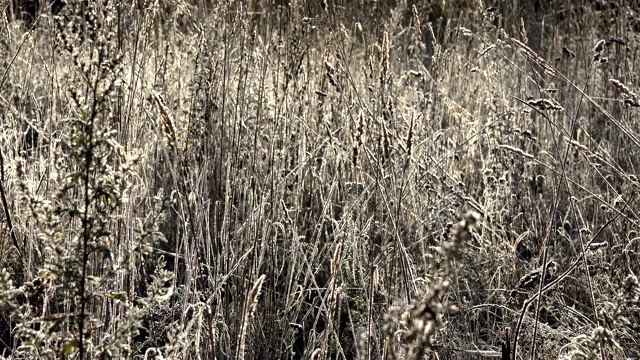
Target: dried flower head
(359, 137)
(600, 46)
(630, 98)
(384, 61)
(568, 53)
(598, 50)
(168, 124)
(618, 41)
(598, 245)
(545, 104)
(523, 32)
(548, 69)
(416, 20)
(631, 288)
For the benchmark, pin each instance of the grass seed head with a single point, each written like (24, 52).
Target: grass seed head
(416, 20)
(523, 32)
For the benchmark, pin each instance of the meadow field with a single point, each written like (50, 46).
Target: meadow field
(319, 179)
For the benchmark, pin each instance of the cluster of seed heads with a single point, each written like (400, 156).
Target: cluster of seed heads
(629, 97)
(548, 69)
(545, 104)
(532, 279)
(602, 45)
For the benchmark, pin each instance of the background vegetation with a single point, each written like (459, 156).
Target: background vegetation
(319, 179)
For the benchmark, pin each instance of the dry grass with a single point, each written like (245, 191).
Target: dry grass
(314, 180)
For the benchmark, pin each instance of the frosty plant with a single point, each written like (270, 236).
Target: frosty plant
(83, 302)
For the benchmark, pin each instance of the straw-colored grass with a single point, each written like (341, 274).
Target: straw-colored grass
(319, 180)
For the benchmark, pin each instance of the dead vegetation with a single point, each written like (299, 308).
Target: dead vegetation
(320, 179)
